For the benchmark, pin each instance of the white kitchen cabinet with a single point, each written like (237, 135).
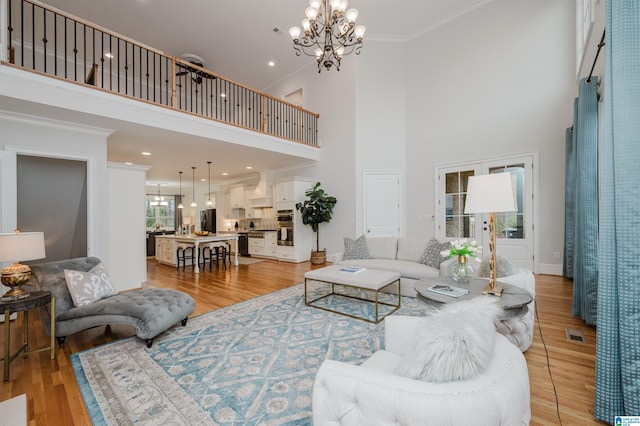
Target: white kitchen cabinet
(253, 213)
(237, 198)
(285, 191)
(227, 206)
(288, 193)
(271, 243)
(256, 246)
(164, 250)
(287, 254)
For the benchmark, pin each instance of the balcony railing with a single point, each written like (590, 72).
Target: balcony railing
(46, 40)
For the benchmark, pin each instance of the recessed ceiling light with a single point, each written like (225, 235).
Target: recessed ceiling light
(248, 167)
(222, 95)
(108, 55)
(225, 174)
(271, 64)
(203, 180)
(145, 153)
(128, 164)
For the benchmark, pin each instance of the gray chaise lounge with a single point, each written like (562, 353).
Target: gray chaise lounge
(150, 310)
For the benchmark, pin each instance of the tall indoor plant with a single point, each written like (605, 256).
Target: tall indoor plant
(315, 210)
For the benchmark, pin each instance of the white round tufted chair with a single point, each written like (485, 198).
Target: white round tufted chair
(519, 331)
(370, 394)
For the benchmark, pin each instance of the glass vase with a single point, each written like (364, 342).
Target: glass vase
(461, 272)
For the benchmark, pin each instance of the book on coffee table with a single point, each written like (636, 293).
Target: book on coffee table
(351, 269)
(448, 290)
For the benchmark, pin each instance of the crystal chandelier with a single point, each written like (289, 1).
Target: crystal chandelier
(329, 32)
(159, 200)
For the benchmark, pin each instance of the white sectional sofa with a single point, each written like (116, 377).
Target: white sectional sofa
(400, 255)
(403, 255)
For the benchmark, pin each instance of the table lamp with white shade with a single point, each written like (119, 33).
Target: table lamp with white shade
(492, 193)
(16, 247)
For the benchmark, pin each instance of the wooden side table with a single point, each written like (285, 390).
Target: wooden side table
(34, 300)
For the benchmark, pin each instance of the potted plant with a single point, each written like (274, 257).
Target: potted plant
(316, 210)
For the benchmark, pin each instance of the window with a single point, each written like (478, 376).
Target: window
(160, 216)
(584, 22)
(511, 225)
(457, 224)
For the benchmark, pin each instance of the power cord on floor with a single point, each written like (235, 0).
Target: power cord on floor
(546, 352)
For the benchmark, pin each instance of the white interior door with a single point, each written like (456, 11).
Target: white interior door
(381, 204)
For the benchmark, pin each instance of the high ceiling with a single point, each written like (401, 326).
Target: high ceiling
(236, 39)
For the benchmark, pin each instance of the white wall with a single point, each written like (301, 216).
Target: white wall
(381, 120)
(332, 95)
(126, 215)
(497, 81)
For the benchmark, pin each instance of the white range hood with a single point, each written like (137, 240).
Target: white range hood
(262, 196)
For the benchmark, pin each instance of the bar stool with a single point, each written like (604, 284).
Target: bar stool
(181, 252)
(228, 251)
(216, 250)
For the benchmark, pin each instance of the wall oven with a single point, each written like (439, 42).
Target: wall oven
(284, 220)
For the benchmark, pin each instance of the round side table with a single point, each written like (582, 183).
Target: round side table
(35, 300)
(514, 300)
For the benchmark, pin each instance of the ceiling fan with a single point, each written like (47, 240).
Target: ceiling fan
(196, 74)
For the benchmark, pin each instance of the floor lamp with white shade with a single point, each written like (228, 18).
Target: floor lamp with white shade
(492, 193)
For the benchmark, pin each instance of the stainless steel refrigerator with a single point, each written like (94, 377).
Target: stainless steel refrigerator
(208, 220)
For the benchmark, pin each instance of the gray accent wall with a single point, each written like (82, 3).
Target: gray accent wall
(52, 197)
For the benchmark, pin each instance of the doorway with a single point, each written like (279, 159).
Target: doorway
(52, 197)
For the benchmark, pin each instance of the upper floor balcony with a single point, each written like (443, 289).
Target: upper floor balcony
(50, 42)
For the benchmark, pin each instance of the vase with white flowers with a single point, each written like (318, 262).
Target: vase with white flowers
(461, 271)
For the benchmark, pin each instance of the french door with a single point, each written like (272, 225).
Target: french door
(514, 231)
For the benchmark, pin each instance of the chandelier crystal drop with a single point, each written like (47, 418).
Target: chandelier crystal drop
(328, 33)
(193, 182)
(180, 205)
(209, 202)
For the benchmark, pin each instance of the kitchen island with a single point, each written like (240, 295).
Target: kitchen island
(166, 246)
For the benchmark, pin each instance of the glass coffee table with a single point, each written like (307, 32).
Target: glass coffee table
(514, 300)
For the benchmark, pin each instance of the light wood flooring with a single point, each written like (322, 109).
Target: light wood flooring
(54, 398)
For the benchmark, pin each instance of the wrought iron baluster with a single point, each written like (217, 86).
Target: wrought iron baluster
(126, 67)
(55, 43)
(66, 59)
(33, 36)
(75, 51)
(44, 37)
(84, 50)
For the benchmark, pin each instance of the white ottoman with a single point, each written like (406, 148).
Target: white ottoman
(372, 280)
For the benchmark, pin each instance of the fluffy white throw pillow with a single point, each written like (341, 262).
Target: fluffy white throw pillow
(454, 344)
(87, 287)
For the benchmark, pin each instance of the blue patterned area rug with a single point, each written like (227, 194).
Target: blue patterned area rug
(253, 363)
